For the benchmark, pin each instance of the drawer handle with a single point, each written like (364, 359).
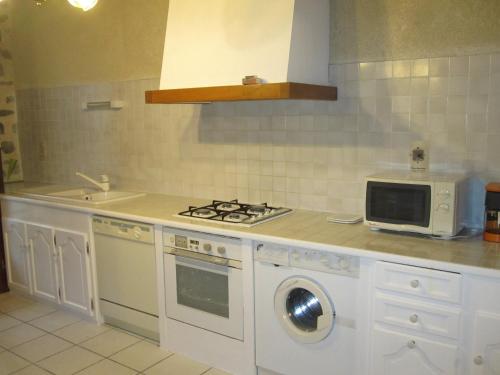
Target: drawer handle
(415, 283)
(414, 318)
(478, 360)
(412, 344)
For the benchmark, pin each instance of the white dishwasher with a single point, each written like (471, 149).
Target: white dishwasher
(126, 274)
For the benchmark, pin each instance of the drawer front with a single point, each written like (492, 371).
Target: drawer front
(397, 353)
(417, 316)
(422, 282)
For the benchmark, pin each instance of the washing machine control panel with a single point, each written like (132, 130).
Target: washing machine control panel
(324, 261)
(271, 253)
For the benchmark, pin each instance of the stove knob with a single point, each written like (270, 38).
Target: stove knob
(207, 247)
(221, 250)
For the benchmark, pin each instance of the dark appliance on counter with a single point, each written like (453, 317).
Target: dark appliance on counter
(492, 213)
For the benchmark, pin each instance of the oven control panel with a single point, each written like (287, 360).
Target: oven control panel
(203, 243)
(318, 260)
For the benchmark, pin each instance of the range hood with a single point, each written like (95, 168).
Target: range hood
(211, 45)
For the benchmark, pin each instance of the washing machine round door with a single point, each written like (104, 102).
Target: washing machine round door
(304, 310)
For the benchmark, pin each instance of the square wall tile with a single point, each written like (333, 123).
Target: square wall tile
(438, 86)
(459, 66)
(383, 69)
(479, 65)
(401, 68)
(420, 68)
(439, 67)
(351, 72)
(367, 70)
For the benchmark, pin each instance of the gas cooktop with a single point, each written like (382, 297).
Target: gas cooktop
(234, 212)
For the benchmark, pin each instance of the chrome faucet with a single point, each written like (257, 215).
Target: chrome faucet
(103, 185)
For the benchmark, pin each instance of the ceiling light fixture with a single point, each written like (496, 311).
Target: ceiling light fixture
(83, 4)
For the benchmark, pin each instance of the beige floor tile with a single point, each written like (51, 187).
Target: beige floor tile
(107, 367)
(19, 335)
(176, 365)
(13, 302)
(10, 362)
(81, 331)
(140, 356)
(55, 320)
(7, 322)
(32, 370)
(214, 371)
(110, 342)
(40, 348)
(69, 361)
(31, 312)
(5, 295)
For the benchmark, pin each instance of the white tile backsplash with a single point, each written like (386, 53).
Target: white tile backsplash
(302, 154)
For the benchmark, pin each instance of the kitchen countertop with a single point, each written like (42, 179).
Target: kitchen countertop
(301, 228)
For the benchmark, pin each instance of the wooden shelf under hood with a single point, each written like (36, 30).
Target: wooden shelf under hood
(268, 91)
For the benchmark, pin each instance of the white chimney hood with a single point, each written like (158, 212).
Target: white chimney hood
(214, 43)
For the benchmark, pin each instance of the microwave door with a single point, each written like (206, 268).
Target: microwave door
(400, 204)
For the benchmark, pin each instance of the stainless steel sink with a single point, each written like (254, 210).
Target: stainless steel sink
(91, 196)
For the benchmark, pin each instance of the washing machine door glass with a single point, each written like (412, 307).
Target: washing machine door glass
(304, 310)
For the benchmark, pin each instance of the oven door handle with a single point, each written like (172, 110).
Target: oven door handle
(204, 258)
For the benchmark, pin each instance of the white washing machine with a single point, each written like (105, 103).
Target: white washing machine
(305, 302)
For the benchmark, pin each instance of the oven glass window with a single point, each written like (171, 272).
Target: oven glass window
(398, 203)
(203, 290)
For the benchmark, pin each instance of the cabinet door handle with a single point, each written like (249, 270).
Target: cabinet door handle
(415, 284)
(411, 344)
(414, 318)
(478, 360)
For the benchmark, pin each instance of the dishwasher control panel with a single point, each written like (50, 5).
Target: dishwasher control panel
(128, 230)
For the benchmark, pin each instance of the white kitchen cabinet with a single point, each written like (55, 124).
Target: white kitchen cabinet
(485, 356)
(416, 320)
(73, 265)
(397, 353)
(17, 254)
(43, 260)
(48, 254)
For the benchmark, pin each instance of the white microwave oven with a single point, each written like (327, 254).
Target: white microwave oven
(425, 203)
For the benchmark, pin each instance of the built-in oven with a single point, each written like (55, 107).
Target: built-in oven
(203, 281)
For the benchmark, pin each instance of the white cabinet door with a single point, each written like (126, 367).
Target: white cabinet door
(397, 353)
(73, 267)
(43, 256)
(18, 264)
(485, 359)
